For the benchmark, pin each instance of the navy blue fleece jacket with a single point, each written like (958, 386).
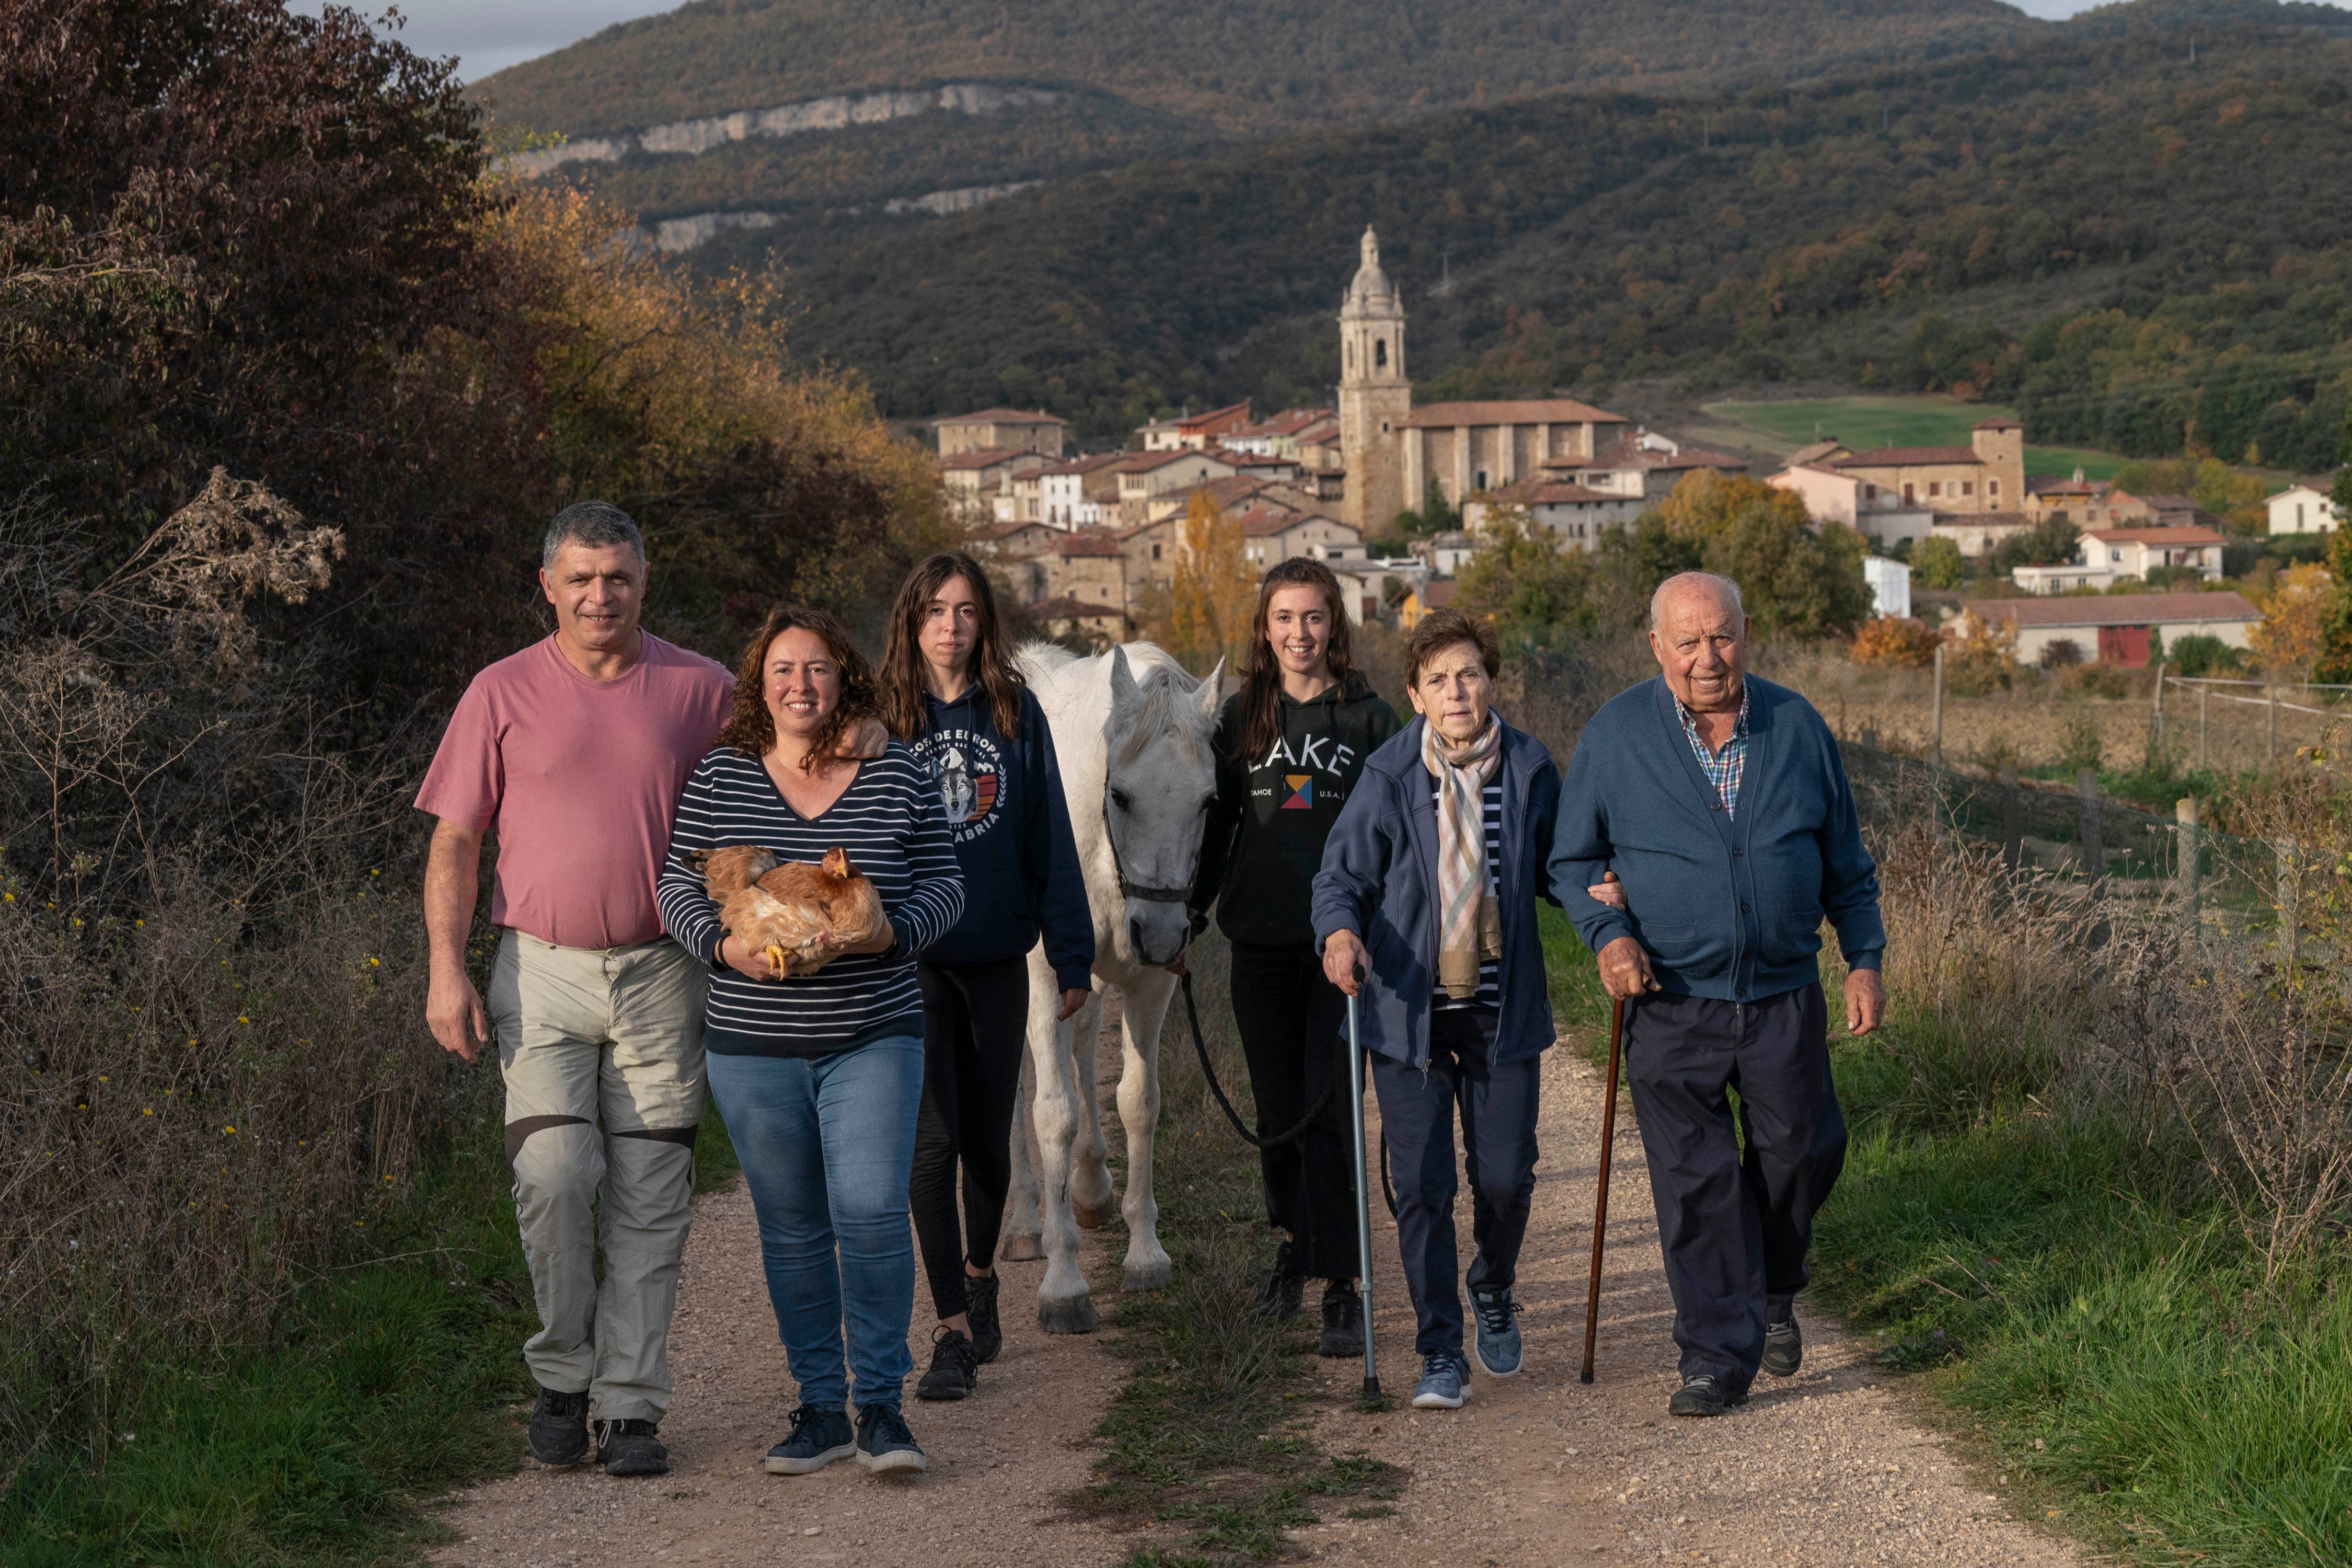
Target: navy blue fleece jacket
(1729, 909)
(1012, 830)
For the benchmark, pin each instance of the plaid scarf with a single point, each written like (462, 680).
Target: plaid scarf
(1469, 925)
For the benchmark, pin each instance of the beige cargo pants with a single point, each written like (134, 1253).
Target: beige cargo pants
(601, 1052)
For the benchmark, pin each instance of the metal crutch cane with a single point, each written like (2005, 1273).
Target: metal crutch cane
(1600, 1200)
(1363, 1201)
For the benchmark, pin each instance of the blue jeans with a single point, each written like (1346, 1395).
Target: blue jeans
(826, 1143)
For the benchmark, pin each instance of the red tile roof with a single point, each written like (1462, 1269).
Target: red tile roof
(1216, 420)
(1002, 417)
(985, 456)
(1093, 542)
(2116, 609)
(1909, 457)
(1525, 411)
(1627, 454)
(1068, 609)
(1084, 465)
(1552, 492)
(1144, 462)
(2156, 536)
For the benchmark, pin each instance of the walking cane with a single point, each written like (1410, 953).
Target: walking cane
(1363, 1203)
(1601, 1199)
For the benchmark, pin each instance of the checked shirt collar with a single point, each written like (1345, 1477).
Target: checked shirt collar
(1723, 770)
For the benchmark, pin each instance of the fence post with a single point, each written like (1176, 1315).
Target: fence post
(2193, 843)
(2290, 913)
(2012, 831)
(2204, 730)
(2272, 692)
(2161, 665)
(1936, 754)
(2095, 854)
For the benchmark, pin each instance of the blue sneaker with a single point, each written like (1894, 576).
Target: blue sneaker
(1497, 1342)
(1444, 1382)
(884, 1444)
(820, 1434)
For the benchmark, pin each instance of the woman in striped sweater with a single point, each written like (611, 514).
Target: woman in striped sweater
(819, 1075)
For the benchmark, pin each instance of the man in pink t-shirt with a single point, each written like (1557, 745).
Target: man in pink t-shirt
(574, 753)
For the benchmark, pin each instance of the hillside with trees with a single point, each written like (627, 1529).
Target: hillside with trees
(2142, 251)
(1240, 66)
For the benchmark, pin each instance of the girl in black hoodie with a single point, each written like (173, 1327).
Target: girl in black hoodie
(1289, 745)
(948, 689)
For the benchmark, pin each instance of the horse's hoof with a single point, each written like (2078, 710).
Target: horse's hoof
(1091, 1217)
(1026, 1248)
(1147, 1276)
(1076, 1316)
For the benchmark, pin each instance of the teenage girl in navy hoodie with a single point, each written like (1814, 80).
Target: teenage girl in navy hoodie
(949, 692)
(1289, 746)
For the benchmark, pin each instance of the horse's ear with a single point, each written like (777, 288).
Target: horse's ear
(1124, 692)
(1211, 684)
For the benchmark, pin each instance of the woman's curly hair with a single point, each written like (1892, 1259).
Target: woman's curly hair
(752, 729)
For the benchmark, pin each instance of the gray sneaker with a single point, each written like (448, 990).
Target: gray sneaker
(1784, 1348)
(1496, 1342)
(1444, 1382)
(821, 1433)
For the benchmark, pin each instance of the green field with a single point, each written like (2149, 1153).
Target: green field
(1911, 421)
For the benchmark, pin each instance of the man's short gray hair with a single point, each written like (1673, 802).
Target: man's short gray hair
(595, 523)
(1724, 589)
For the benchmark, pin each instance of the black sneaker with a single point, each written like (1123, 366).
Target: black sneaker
(980, 1309)
(1343, 1321)
(1704, 1395)
(955, 1368)
(630, 1449)
(884, 1444)
(558, 1428)
(1784, 1348)
(1284, 1294)
(820, 1434)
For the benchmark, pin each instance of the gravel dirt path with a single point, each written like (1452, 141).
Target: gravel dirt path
(1824, 1470)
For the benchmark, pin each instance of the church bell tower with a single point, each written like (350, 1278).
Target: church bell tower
(1374, 395)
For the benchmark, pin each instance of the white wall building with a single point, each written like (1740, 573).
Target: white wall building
(1890, 586)
(2304, 508)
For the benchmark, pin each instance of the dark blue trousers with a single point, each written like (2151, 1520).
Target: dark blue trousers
(1734, 1228)
(1497, 1106)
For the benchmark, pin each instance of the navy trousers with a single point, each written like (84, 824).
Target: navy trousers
(1497, 1106)
(1734, 1228)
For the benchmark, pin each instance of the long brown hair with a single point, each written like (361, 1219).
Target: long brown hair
(1261, 693)
(903, 681)
(752, 729)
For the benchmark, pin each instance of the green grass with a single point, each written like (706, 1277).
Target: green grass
(2093, 1330)
(386, 1385)
(1208, 1431)
(1900, 421)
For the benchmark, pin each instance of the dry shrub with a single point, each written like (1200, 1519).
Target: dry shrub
(2219, 1060)
(1895, 640)
(198, 1109)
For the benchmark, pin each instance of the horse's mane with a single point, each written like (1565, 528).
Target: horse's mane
(1169, 705)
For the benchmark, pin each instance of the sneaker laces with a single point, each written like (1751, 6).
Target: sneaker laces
(1435, 1362)
(1495, 1312)
(949, 1346)
(802, 1416)
(884, 1424)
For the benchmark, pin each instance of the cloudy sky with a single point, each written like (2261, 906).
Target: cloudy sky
(491, 34)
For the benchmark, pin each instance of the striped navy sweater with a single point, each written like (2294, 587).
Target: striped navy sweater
(889, 821)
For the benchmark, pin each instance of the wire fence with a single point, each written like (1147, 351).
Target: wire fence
(2080, 838)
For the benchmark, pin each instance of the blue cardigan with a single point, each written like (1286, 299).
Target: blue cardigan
(1379, 880)
(1728, 910)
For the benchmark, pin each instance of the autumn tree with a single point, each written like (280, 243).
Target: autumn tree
(1522, 579)
(2293, 632)
(1214, 592)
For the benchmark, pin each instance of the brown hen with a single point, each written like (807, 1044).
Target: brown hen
(802, 916)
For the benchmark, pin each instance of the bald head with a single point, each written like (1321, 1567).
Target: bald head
(1699, 634)
(1719, 592)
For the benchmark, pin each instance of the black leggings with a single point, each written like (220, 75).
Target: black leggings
(1291, 1018)
(975, 1023)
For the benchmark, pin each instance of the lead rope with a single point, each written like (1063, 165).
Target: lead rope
(1331, 1082)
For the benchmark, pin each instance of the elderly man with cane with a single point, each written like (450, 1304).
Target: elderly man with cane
(1720, 804)
(1425, 910)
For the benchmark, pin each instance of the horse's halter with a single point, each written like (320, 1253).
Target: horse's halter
(1131, 889)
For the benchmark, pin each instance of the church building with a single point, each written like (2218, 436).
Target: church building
(1392, 450)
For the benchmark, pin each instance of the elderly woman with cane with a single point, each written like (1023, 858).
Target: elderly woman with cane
(1425, 908)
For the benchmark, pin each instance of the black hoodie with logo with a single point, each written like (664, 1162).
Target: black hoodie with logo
(1273, 812)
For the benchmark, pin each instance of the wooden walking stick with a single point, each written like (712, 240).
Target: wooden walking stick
(1601, 1199)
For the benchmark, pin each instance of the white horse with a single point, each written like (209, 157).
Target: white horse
(1133, 732)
